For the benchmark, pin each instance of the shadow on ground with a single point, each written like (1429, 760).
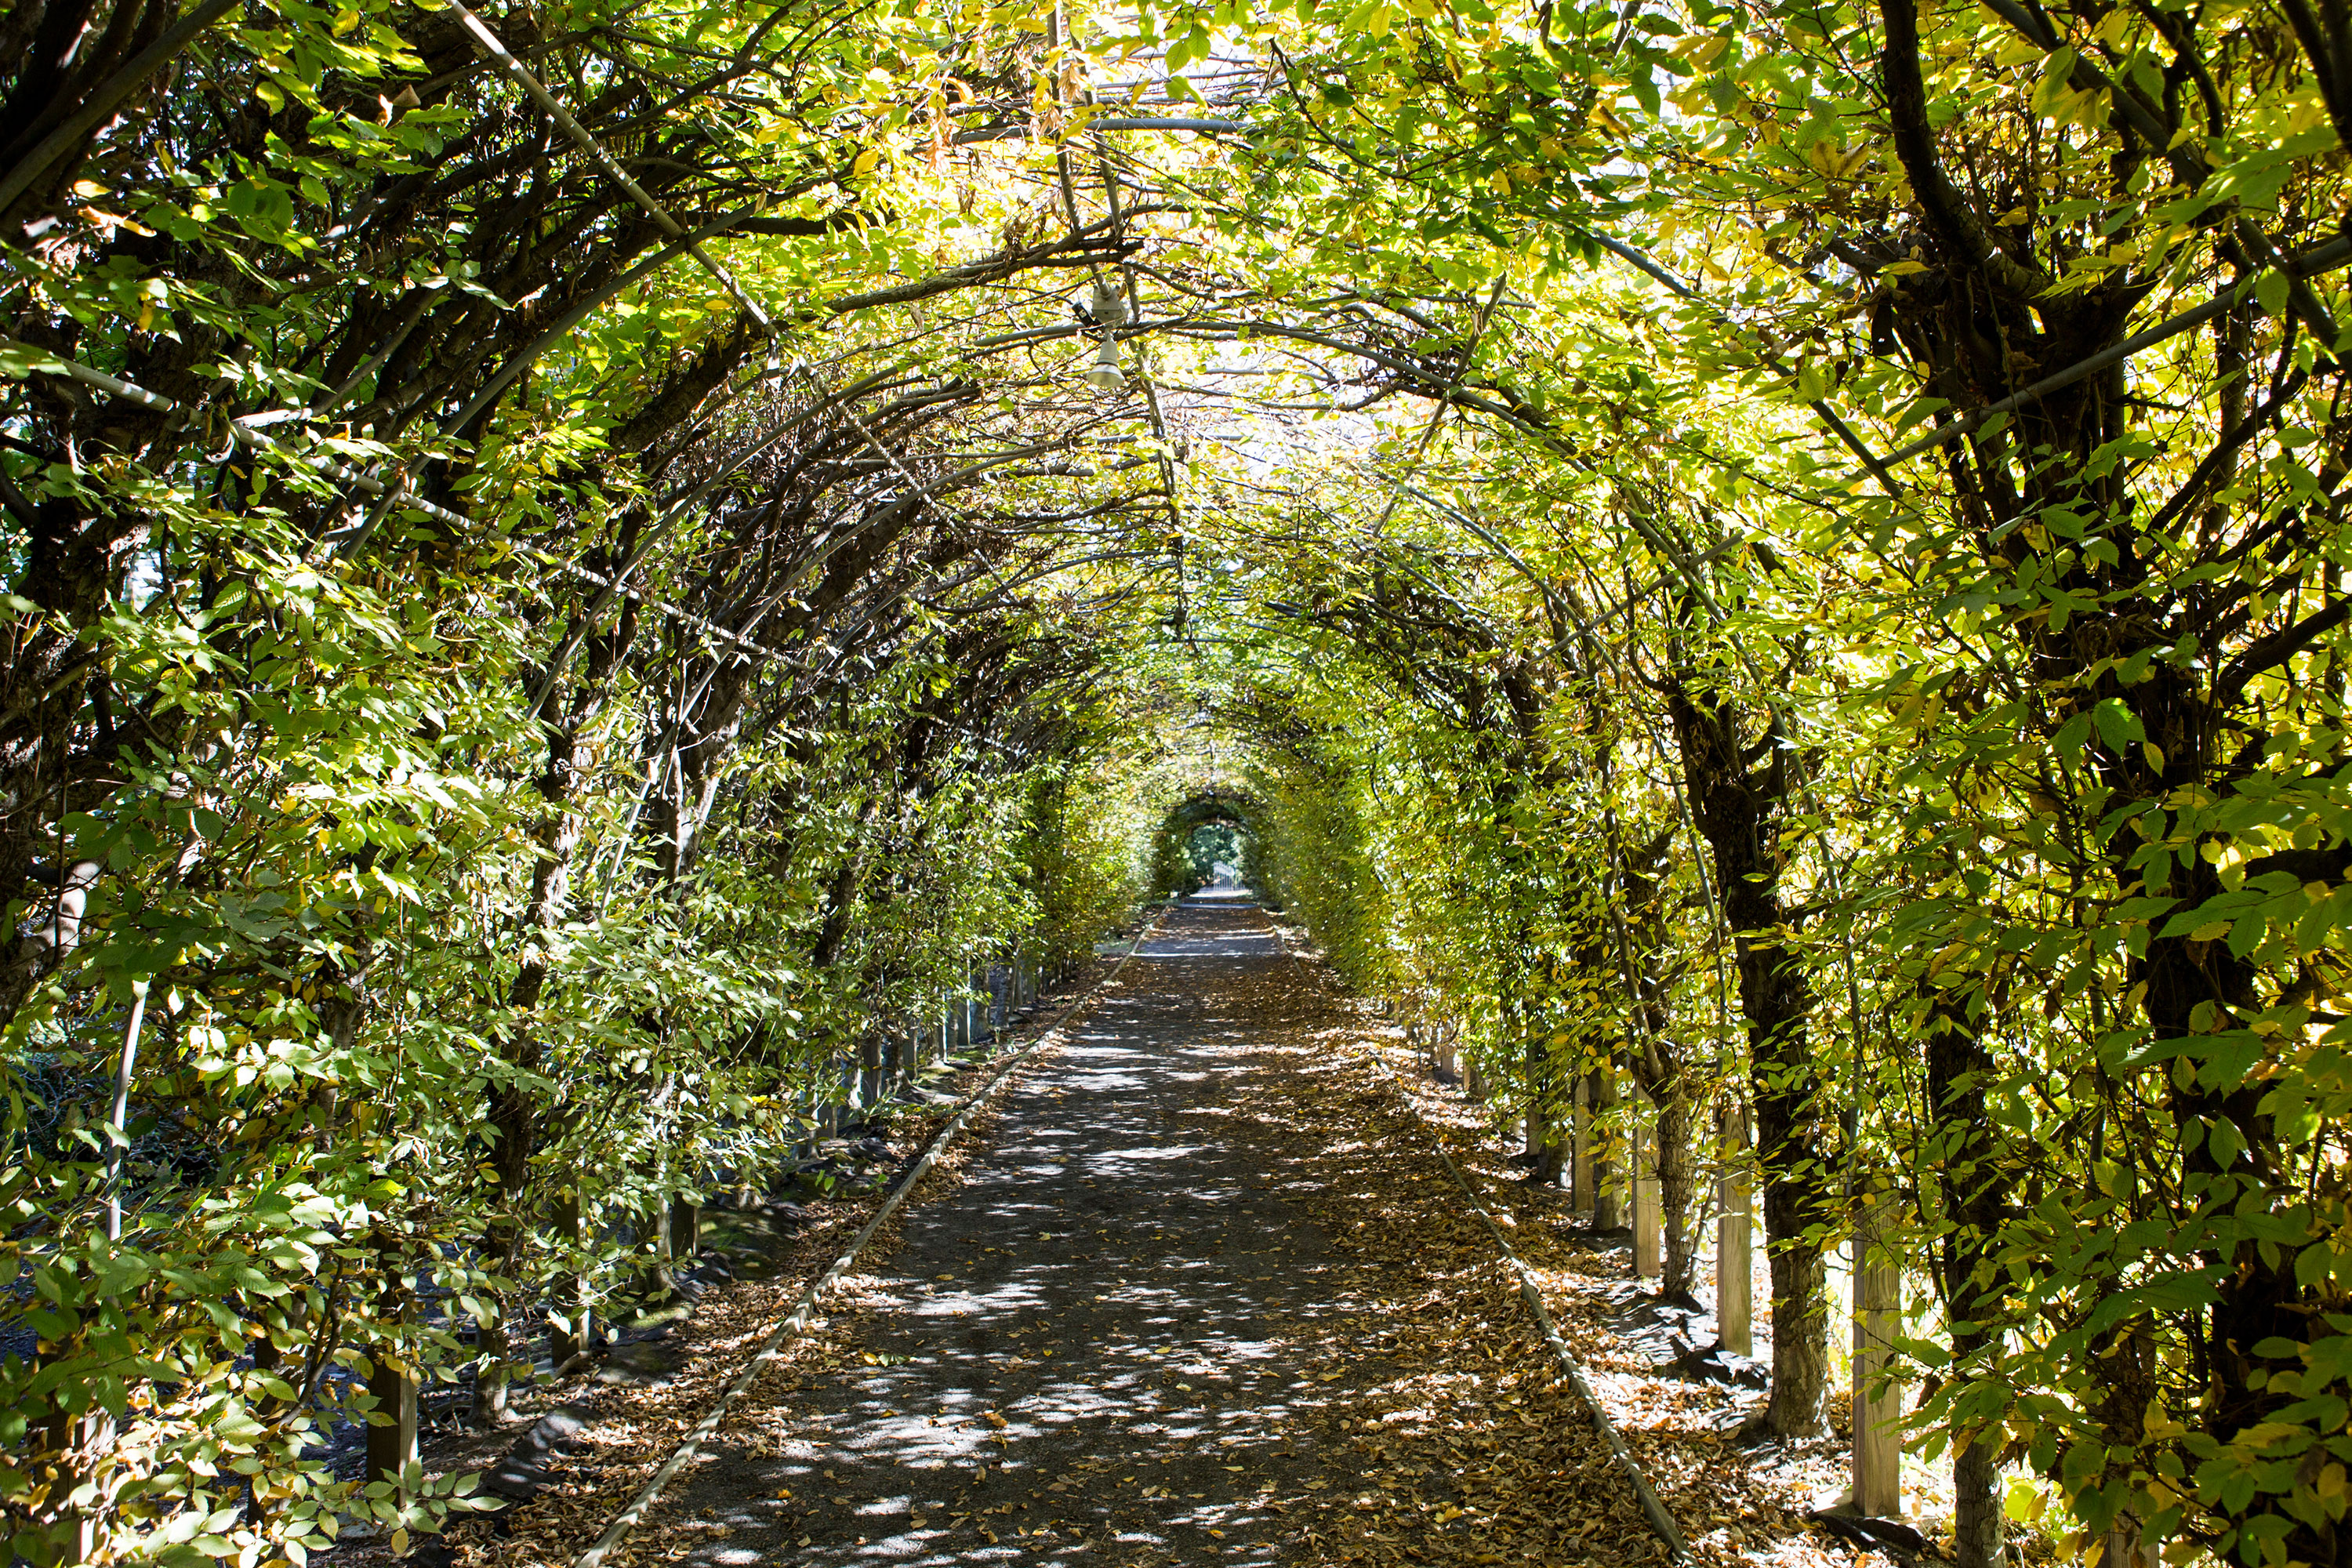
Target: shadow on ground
(1120, 1339)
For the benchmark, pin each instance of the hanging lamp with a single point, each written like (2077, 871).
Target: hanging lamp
(1110, 314)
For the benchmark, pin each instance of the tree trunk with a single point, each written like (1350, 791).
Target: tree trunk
(1977, 1523)
(1964, 1152)
(1739, 810)
(1677, 1186)
(514, 1110)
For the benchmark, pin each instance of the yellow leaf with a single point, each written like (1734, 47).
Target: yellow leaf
(2211, 931)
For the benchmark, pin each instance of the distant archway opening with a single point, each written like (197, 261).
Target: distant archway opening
(1208, 840)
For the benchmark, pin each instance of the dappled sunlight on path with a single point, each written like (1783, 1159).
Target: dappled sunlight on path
(1116, 1340)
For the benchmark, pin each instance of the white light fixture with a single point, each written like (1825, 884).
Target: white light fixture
(1104, 375)
(1110, 312)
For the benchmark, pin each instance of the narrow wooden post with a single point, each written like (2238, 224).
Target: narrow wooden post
(392, 1447)
(570, 1322)
(1608, 1209)
(1645, 1191)
(1533, 1133)
(1580, 1147)
(1734, 1279)
(1877, 1300)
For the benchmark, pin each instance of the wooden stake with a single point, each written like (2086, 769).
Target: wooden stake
(570, 1303)
(1645, 1192)
(391, 1447)
(1734, 1279)
(1579, 1154)
(1877, 1419)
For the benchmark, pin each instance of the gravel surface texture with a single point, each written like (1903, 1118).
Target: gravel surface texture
(1197, 1290)
(1108, 1340)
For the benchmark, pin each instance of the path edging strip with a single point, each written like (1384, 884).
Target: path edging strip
(786, 1328)
(1661, 1523)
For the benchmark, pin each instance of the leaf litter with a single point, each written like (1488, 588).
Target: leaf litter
(1462, 1445)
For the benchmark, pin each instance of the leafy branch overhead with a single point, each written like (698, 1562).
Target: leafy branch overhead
(1769, 579)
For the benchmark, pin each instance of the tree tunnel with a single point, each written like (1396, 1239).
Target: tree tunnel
(572, 570)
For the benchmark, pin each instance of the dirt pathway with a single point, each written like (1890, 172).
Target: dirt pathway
(1201, 1293)
(1118, 1334)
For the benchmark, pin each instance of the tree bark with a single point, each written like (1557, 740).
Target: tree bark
(1964, 1152)
(1677, 1186)
(1973, 316)
(1739, 810)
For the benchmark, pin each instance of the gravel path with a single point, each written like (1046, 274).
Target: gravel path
(1123, 1338)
